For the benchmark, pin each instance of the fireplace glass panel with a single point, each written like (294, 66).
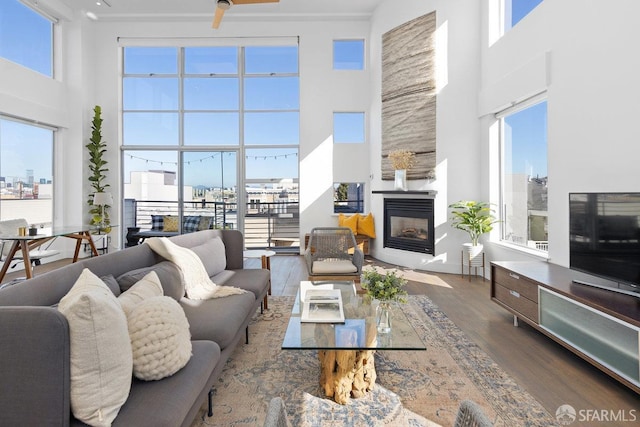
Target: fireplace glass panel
(409, 228)
(408, 224)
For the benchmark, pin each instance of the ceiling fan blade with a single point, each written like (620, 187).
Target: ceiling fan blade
(254, 1)
(217, 18)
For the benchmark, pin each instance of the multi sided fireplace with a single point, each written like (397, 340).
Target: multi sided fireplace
(408, 224)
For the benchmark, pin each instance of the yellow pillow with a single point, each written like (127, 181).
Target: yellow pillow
(170, 223)
(366, 226)
(349, 221)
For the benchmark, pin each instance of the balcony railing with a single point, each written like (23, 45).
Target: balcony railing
(274, 225)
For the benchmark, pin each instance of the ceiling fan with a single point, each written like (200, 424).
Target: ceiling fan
(224, 5)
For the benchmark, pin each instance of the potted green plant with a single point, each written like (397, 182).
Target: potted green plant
(97, 147)
(475, 218)
(385, 288)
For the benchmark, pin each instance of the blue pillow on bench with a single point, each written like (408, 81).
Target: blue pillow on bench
(157, 222)
(190, 224)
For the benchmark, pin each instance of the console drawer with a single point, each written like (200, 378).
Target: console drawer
(518, 302)
(520, 284)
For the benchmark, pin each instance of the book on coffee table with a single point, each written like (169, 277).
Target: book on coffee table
(322, 306)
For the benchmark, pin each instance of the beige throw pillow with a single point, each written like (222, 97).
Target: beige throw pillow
(101, 360)
(147, 287)
(160, 338)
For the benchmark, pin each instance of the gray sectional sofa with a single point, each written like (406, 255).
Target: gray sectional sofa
(34, 336)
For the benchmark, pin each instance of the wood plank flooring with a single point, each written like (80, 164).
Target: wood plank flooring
(552, 374)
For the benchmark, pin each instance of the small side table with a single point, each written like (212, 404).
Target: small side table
(264, 256)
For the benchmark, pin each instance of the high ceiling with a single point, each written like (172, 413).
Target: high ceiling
(195, 8)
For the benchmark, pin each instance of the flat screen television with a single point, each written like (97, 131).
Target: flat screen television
(604, 238)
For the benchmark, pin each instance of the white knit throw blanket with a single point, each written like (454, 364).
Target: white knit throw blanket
(197, 283)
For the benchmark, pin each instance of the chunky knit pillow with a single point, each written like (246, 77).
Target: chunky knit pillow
(160, 338)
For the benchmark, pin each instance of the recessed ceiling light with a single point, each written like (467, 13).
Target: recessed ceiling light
(101, 2)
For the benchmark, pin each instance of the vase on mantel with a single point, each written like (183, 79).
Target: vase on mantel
(400, 182)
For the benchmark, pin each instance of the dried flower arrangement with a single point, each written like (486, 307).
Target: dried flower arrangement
(402, 159)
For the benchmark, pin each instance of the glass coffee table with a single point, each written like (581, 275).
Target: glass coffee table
(346, 350)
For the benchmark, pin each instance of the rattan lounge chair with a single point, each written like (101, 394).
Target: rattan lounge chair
(333, 254)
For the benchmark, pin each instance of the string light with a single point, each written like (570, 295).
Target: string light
(274, 157)
(213, 156)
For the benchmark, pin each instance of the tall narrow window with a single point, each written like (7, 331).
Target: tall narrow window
(515, 10)
(150, 96)
(271, 138)
(524, 179)
(348, 197)
(26, 37)
(348, 128)
(26, 179)
(211, 101)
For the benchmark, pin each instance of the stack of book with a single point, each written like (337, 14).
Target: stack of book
(322, 306)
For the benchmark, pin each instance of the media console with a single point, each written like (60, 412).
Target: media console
(600, 326)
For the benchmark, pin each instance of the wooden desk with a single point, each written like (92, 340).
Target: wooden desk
(25, 244)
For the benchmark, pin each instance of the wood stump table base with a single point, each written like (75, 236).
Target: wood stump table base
(346, 373)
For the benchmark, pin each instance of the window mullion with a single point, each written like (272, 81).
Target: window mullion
(242, 209)
(180, 136)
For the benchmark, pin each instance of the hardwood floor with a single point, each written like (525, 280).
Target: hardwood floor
(552, 374)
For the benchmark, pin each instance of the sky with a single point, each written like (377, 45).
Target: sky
(19, 148)
(25, 37)
(520, 9)
(529, 140)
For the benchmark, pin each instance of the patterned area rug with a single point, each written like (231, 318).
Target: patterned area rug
(413, 388)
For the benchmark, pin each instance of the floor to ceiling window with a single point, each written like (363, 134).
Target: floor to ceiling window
(213, 131)
(524, 179)
(26, 180)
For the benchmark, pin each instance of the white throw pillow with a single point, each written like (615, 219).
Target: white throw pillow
(160, 338)
(147, 287)
(101, 361)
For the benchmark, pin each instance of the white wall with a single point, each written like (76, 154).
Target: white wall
(458, 149)
(591, 75)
